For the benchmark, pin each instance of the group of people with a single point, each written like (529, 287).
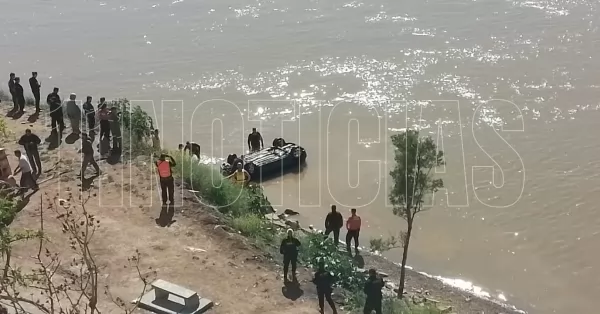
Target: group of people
(18, 93)
(334, 223)
(323, 280)
(100, 119)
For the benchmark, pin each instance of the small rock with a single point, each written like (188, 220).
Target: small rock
(293, 224)
(446, 309)
(290, 212)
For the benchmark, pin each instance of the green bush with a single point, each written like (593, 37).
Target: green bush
(341, 266)
(8, 210)
(253, 226)
(217, 191)
(137, 126)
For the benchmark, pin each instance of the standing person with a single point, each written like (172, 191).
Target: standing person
(30, 143)
(35, 89)
(353, 226)
(19, 96)
(255, 141)
(74, 114)
(27, 179)
(324, 282)
(193, 148)
(88, 156)
(56, 112)
(156, 141)
(101, 102)
(289, 249)
(115, 129)
(240, 175)
(167, 183)
(11, 89)
(104, 117)
(372, 289)
(334, 222)
(90, 114)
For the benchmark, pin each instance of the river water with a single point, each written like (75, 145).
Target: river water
(509, 89)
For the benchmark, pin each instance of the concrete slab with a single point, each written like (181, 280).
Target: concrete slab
(168, 298)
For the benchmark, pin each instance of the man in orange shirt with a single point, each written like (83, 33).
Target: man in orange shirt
(353, 226)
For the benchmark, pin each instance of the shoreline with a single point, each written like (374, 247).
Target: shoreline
(421, 286)
(430, 288)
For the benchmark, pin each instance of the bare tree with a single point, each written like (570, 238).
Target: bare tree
(52, 286)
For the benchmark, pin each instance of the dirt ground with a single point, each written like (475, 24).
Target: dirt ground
(194, 253)
(188, 247)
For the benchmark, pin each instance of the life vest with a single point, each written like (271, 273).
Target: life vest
(164, 168)
(240, 176)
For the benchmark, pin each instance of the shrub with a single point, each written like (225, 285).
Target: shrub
(341, 266)
(137, 126)
(215, 190)
(8, 210)
(253, 226)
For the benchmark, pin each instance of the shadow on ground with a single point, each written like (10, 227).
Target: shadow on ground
(166, 216)
(292, 290)
(54, 140)
(71, 138)
(33, 118)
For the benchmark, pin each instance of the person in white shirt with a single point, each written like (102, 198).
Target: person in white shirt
(28, 180)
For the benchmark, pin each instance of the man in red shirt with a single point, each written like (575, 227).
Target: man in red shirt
(353, 226)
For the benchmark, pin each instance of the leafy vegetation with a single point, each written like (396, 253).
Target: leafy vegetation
(137, 126)
(253, 226)
(217, 191)
(8, 210)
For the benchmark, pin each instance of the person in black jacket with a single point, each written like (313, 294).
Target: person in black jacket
(334, 222)
(30, 142)
(11, 89)
(193, 147)
(372, 289)
(19, 96)
(324, 282)
(35, 89)
(289, 249)
(56, 112)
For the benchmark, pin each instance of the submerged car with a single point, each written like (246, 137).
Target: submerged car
(275, 160)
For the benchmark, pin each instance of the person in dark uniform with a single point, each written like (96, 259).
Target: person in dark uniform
(11, 89)
(324, 282)
(289, 249)
(90, 114)
(35, 89)
(30, 142)
(255, 141)
(193, 148)
(56, 112)
(88, 156)
(334, 222)
(372, 289)
(19, 96)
